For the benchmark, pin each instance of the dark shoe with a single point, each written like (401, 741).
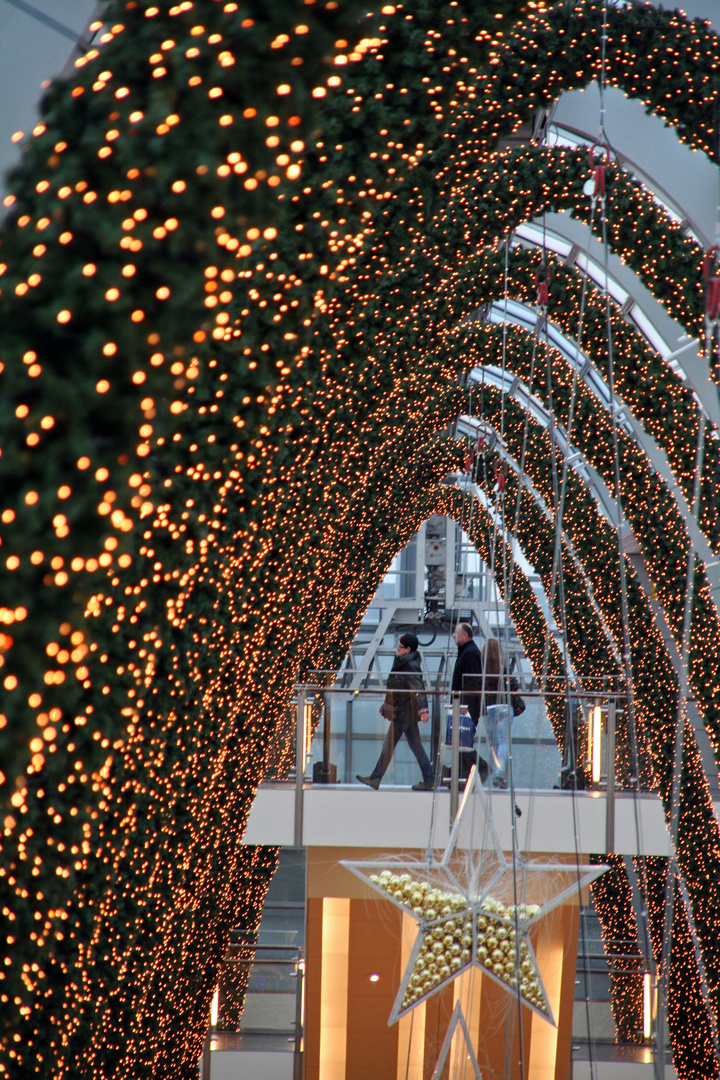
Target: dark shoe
(499, 782)
(424, 785)
(371, 781)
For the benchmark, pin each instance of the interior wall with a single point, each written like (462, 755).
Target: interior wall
(374, 941)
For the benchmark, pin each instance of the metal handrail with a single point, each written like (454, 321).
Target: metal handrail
(580, 695)
(298, 962)
(611, 695)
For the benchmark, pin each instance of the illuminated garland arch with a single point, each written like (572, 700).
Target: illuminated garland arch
(663, 405)
(612, 894)
(655, 519)
(536, 538)
(612, 897)
(157, 804)
(598, 553)
(463, 286)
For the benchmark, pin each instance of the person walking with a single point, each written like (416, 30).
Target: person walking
(496, 710)
(467, 680)
(403, 710)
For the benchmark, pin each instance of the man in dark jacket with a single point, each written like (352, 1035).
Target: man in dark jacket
(468, 676)
(403, 711)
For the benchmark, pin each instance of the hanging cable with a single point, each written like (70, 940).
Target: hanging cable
(681, 723)
(47, 20)
(599, 177)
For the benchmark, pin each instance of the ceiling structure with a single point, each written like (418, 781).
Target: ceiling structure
(37, 39)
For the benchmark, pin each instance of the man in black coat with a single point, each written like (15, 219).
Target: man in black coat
(403, 711)
(468, 676)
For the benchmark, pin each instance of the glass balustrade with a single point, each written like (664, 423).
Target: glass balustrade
(342, 723)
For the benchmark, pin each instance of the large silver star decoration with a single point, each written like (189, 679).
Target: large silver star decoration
(475, 907)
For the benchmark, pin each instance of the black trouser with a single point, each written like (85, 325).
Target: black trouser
(398, 728)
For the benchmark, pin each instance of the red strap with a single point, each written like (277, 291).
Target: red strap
(712, 285)
(708, 268)
(712, 301)
(599, 169)
(543, 277)
(501, 472)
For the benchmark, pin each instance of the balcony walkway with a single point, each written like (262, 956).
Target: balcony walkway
(352, 816)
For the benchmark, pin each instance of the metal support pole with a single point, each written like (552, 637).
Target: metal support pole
(455, 758)
(205, 1074)
(299, 1034)
(326, 736)
(451, 531)
(610, 793)
(299, 768)
(324, 772)
(438, 731)
(348, 740)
